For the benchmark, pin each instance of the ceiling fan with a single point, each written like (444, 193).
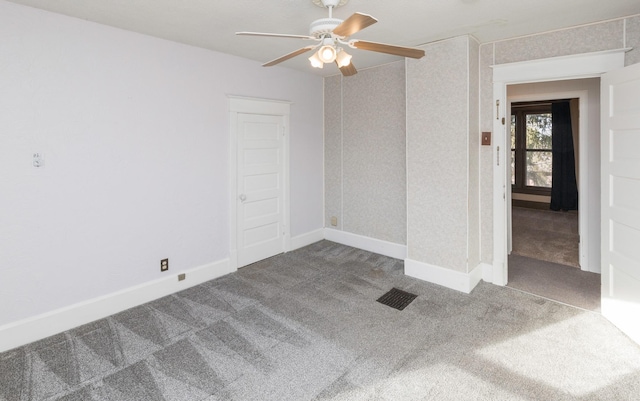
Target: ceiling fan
(329, 34)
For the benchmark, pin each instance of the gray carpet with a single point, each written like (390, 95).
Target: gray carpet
(546, 235)
(306, 326)
(554, 281)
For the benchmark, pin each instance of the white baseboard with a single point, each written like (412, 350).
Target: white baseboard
(487, 272)
(233, 259)
(498, 273)
(463, 282)
(309, 238)
(391, 249)
(38, 327)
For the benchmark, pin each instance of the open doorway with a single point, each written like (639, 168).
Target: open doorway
(558, 70)
(545, 251)
(544, 174)
(586, 144)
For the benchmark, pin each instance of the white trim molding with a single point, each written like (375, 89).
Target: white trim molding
(487, 272)
(250, 105)
(585, 232)
(459, 281)
(57, 321)
(585, 65)
(391, 249)
(302, 240)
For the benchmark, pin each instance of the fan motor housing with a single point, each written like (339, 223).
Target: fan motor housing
(329, 3)
(323, 26)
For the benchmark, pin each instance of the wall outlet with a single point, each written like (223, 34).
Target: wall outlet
(334, 221)
(181, 276)
(164, 265)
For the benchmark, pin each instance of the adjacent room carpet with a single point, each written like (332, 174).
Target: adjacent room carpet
(545, 257)
(306, 326)
(545, 235)
(554, 281)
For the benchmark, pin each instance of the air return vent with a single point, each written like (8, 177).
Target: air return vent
(397, 299)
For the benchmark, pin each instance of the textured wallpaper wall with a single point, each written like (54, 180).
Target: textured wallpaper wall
(486, 155)
(591, 38)
(365, 186)
(449, 102)
(632, 39)
(473, 135)
(438, 122)
(604, 36)
(333, 150)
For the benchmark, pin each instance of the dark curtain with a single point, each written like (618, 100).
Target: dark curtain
(564, 191)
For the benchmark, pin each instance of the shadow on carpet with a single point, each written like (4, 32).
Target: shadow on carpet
(558, 282)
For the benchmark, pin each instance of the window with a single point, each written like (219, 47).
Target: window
(531, 156)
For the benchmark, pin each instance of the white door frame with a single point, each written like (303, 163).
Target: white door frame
(586, 65)
(248, 105)
(620, 172)
(583, 163)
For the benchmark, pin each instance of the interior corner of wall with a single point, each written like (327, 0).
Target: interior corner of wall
(386, 248)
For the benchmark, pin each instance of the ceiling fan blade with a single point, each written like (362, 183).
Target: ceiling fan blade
(356, 22)
(348, 70)
(288, 56)
(275, 35)
(389, 49)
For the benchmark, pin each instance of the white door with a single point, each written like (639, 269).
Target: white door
(260, 189)
(620, 93)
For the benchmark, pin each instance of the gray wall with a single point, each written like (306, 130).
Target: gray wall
(135, 136)
(365, 142)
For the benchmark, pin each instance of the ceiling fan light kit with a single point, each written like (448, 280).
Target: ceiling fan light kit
(315, 61)
(327, 53)
(330, 33)
(343, 58)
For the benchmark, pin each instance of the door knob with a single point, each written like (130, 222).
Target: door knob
(243, 197)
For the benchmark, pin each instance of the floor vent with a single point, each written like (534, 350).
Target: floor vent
(397, 299)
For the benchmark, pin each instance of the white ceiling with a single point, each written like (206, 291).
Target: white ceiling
(212, 24)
